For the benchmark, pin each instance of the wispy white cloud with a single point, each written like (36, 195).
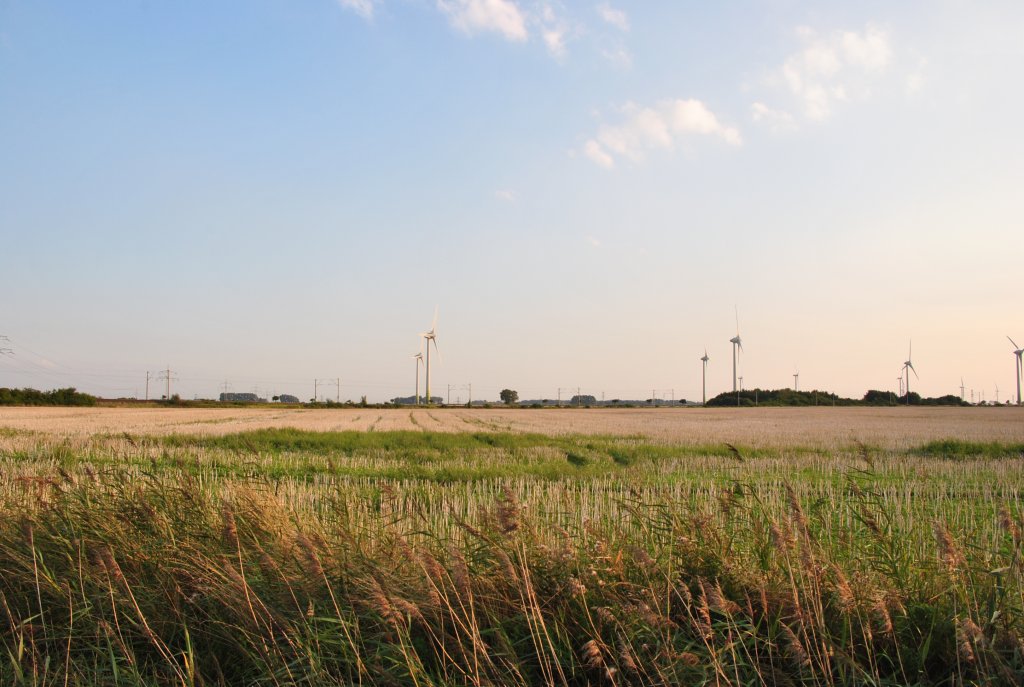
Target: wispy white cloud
(915, 82)
(476, 16)
(597, 154)
(554, 39)
(616, 18)
(656, 128)
(506, 194)
(833, 68)
(554, 30)
(363, 8)
(776, 120)
(618, 55)
(594, 241)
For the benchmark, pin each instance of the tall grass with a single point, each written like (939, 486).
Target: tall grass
(287, 558)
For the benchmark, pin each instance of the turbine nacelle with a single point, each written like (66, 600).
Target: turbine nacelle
(1018, 351)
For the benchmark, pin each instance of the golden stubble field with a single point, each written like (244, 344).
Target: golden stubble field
(894, 428)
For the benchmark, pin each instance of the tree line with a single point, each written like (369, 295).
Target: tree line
(57, 397)
(790, 397)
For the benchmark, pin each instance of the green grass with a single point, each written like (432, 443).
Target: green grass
(953, 448)
(282, 557)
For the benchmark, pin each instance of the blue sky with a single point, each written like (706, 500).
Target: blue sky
(267, 192)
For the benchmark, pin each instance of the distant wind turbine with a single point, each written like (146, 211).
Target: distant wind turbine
(431, 337)
(419, 361)
(737, 343)
(1018, 351)
(908, 367)
(704, 378)
(962, 395)
(796, 381)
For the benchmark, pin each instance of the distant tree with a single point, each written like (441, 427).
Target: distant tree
(362, 402)
(276, 398)
(582, 400)
(509, 396)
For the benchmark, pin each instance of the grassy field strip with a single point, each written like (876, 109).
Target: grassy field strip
(824, 428)
(281, 556)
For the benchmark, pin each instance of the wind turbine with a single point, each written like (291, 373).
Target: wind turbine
(737, 343)
(908, 367)
(1018, 351)
(704, 378)
(796, 381)
(431, 336)
(997, 394)
(419, 361)
(900, 380)
(962, 395)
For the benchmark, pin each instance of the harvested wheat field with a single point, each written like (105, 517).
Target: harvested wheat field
(809, 427)
(272, 546)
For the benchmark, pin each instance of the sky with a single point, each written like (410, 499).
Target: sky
(258, 194)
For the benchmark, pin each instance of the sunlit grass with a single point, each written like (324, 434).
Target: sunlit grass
(279, 556)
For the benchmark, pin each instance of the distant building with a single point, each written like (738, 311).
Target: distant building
(411, 400)
(241, 398)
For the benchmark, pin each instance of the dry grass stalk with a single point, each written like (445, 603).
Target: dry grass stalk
(949, 553)
(1009, 525)
(626, 659)
(229, 529)
(797, 513)
(508, 512)
(880, 609)
(311, 559)
(969, 638)
(846, 601)
(592, 655)
(794, 648)
(716, 599)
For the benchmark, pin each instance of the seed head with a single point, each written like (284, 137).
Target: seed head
(948, 551)
(794, 648)
(592, 654)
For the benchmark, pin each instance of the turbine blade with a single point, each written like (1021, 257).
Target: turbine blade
(1014, 343)
(436, 349)
(433, 324)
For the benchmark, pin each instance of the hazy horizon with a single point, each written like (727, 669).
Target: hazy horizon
(263, 193)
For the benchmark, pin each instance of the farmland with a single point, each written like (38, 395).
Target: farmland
(478, 547)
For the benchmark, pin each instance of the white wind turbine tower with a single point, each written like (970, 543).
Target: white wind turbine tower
(1018, 351)
(962, 395)
(430, 336)
(737, 343)
(796, 381)
(908, 367)
(419, 361)
(704, 378)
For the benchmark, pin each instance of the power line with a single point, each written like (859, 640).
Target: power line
(168, 376)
